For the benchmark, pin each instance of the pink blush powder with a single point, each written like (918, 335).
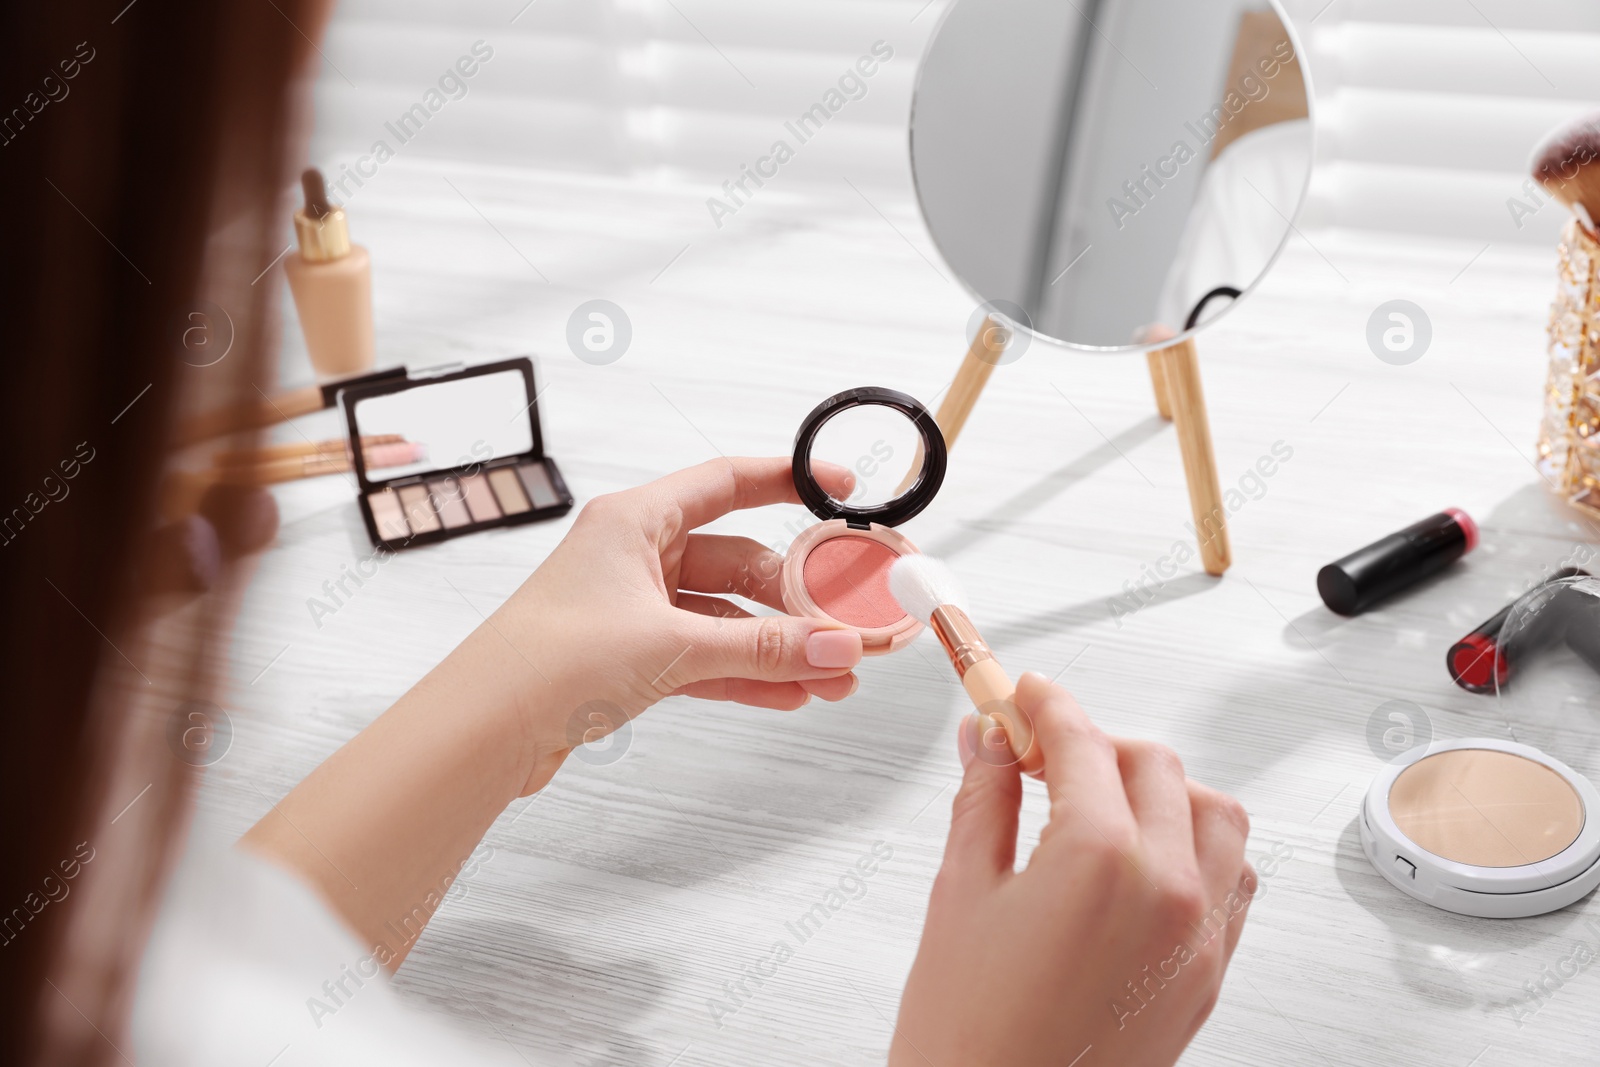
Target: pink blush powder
(848, 577)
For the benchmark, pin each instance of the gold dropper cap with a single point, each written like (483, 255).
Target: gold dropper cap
(320, 227)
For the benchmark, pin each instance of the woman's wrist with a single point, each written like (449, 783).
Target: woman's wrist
(387, 820)
(514, 699)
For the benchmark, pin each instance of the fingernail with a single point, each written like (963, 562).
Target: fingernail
(855, 683)
(831, 649)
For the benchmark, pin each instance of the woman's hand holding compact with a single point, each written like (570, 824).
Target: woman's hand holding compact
(632, 607)
(628, 609)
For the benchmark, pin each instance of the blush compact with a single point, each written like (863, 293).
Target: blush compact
(838, 570)
(1484, 827)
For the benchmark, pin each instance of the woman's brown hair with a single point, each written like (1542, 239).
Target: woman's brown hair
(142, 162)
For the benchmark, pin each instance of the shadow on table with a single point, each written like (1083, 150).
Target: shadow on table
(1047, 488)
(1443, 956)
(762, 805)
(1382, 653)
(587, 1008)
(1526, 537)
(1398, 649)
(1090, 612)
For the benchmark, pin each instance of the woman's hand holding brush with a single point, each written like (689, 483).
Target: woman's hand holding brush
(928, 589)
(1110, 946)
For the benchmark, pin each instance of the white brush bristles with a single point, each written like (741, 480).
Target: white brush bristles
(921, 585)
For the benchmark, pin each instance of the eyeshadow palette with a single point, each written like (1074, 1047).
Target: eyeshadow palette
(479, 461)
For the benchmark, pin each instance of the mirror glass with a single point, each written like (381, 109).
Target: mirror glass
(1095, 168)
(449, 424)
(878, 444)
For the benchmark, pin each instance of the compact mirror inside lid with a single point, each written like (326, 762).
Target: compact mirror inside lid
(471, 416)
(887, 440)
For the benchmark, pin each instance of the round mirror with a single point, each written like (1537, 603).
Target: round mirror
(1111, 173)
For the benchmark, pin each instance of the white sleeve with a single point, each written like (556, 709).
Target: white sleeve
(246, 964)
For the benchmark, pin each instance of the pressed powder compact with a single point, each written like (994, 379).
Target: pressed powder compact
(1484, 827)
(478, 461)
(839, 569)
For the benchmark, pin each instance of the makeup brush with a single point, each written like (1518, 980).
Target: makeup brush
(267, 410)
(318, 464)
(334, 446)
(927, 589)
(1567, 163)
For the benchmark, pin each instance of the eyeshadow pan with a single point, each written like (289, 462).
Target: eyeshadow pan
(509, 490)
(419, 509)
(447, 497)
(848, 577)
(537, 481)
(386, 512)
(480, 501)
(1486, 808)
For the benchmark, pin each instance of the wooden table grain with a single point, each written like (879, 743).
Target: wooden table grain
(632, 913)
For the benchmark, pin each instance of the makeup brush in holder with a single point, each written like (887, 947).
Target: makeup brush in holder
(928, 590)
(1567, 164)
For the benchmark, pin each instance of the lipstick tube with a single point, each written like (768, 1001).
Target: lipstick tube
(1479, 663)
(992, 692)
(1399, 561)
(1584, 638)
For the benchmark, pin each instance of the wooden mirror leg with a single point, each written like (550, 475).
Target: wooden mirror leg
(1182, 374)
(976, 366)
(973, 374)
(1158, 383)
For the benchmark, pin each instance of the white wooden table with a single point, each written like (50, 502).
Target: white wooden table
(619, 902)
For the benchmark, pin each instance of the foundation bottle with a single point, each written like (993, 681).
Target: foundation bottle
(331, 280)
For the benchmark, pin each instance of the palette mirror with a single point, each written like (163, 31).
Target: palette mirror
(450, 422)
(451, 454)
(1111, 173)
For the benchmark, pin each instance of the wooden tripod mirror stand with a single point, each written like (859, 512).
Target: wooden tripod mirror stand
(1080, 200)
(1175, 378)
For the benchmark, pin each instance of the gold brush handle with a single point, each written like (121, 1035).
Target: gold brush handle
(986, 682)
(994, 695)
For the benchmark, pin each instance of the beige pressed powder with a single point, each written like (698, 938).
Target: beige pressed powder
(1483, 826)
(1486, 808)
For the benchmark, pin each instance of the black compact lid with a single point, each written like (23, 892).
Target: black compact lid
(351, 397)
(918, 495)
